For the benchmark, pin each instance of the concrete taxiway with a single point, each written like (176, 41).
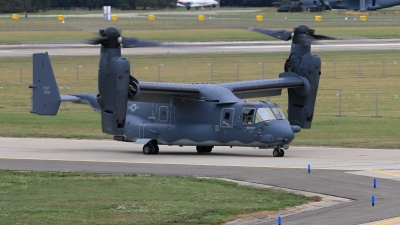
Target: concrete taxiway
(342, 172)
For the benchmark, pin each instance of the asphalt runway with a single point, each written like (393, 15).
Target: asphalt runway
(342, 172)
(26, 50)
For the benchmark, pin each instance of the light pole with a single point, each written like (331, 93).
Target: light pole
(237, 70)
(77, 73)
(65, 93)
(159, 71)
(211, 70)
(262, 69)
(20, 75)
(185, 64)
(1, 88)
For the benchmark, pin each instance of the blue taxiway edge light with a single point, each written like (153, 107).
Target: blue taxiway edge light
(279, 220)
(373, 200)
(374, 182)
(309, 168)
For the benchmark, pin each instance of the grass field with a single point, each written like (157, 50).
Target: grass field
(81, 198)
(357, 126)
(193, 35)
(188, 34)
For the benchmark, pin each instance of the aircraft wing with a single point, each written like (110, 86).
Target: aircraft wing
(162, 92)
(266, 87)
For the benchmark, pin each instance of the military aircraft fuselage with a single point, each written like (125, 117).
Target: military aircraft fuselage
(202, 122)
(355, 4)
(201, 115)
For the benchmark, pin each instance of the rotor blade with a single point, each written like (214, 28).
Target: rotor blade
(280, 34)
(323, 37)
(96, 41)
(132, 42)
(306, 39)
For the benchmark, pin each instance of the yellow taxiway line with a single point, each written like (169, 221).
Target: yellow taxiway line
(387, 222)
(386, 173)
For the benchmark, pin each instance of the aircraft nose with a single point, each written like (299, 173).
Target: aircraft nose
(285, 133)
(280, 131)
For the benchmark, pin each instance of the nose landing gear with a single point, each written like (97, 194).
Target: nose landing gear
(151, 148)
(202, 149)
(278, 152)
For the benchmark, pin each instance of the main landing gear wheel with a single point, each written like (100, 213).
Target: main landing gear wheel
(281, 153)
(202, 149)
(278, 152)
(151, 148)
(155, 150)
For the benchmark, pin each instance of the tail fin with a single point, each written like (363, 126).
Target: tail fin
(45, 96)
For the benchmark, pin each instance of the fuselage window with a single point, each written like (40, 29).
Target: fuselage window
(227, 115)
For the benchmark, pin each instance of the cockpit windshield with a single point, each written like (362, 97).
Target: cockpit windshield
(262, 114)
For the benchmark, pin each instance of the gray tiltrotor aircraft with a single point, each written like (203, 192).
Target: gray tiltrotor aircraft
(359, 5)
(201, 115)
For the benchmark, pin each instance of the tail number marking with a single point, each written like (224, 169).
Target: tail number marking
(46, 90)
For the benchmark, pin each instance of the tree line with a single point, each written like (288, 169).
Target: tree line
(15, 6)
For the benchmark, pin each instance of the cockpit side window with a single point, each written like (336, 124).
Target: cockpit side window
(258, 115)
(264, 114)
(278, 113)
(248, 115)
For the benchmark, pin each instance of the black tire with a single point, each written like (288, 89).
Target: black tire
(155, 150)
(208, 148)
(200, 149)
(148, 149)
(275, 153)
(281, 153)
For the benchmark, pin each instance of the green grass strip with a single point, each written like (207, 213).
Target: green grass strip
(82, 198)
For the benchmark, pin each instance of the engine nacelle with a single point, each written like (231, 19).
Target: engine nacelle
(114, 80)
(301, 101)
